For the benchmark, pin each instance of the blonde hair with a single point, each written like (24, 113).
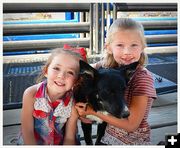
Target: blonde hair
(54, 53)
(123, 24)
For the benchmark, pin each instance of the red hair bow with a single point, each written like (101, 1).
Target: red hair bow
(79, 50)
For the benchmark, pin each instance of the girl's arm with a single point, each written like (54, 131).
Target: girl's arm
(27, 122)
(137, 111)
(71, 128)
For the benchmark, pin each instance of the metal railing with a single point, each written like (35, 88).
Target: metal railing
(98, 17)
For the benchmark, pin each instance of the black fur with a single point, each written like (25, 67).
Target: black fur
(103, 89)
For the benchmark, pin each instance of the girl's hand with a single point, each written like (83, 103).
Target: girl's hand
(85, 120)
(84, 109)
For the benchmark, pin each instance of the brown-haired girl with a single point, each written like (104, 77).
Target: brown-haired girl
(48, 105)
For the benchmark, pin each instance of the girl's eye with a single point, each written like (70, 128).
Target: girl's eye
(120, 45)
(71, 73)
(134, 45)
(56, 68)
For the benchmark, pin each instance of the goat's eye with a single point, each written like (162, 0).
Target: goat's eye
(110, 92)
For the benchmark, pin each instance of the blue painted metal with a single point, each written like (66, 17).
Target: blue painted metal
(69, 16)
(75, 17)
(40, 21)
(161, 44)
(45, 21)
(163, 85)
(154, 18)
(159, 32)
(110, 6)
(39, 37)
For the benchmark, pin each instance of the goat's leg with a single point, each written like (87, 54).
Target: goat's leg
(100, 132)
(87, 129)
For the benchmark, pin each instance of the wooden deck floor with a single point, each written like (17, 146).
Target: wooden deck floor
(163, 120)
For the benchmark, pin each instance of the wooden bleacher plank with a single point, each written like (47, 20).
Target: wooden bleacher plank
(158, 134)
(164, 111)
(163, 86)
(166, 99)
(10, 134)
(167, 113)
(163, 115)
(11, 117)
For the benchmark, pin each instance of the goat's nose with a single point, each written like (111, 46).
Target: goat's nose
(125, 112)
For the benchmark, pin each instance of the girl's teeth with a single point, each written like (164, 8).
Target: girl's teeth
(60, 84)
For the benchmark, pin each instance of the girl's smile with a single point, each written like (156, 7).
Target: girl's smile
(60, 84)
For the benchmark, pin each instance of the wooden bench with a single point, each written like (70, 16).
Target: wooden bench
(163, 120)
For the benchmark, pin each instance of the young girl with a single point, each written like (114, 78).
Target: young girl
(48, 105)
(125, 45)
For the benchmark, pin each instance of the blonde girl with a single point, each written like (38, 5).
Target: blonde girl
(125, 44)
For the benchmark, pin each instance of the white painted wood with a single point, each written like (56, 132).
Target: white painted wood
(11, 116)
(165, 99)
(10, 134)
(164, 114)
(158, 135)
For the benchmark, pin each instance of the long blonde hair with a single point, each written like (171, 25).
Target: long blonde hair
(54, 53)
(123, 24)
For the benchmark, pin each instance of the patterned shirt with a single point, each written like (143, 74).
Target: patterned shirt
(50, 117)
(141, 84)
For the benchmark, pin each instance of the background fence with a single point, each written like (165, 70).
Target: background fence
(26, 43)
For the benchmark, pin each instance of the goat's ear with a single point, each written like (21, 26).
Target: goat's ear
(132, 66)
(86, 69)
(130, 69)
